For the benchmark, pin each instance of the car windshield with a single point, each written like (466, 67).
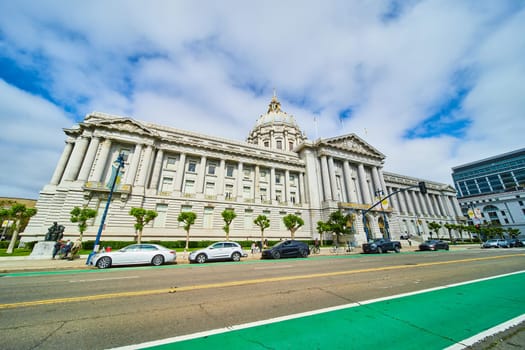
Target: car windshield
(281, 243)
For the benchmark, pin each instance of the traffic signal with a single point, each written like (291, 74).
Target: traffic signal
(422, 187)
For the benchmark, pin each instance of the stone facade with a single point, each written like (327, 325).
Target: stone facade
(278, 171)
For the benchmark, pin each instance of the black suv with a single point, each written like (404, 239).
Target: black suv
(287, 249)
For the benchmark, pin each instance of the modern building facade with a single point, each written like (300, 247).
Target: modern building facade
(492, 190)
(276, 172)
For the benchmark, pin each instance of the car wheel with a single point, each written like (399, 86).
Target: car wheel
(236, 256)
(379, 250)
(104, 262)
(201, 258)
(276, 255)
(157, 260)
(396, 249)
(303, 253)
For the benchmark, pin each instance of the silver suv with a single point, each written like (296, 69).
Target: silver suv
(218, 251)
(495, 243)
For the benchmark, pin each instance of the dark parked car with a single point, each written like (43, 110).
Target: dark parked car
(514, 242)
(433, 244)
(287, 249)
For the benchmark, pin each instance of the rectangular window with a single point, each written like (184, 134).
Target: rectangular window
(228, 191)
(278, 195)
(495, 183)
(248, 219)
(266, 144)
(290, 146)
(247, 173)
(208, 218)
(211, 168)
(292, 179)
(229, 171)
(279, 144)
(162, 213)
(292, 197)
(210, 188)
(262, 173)
(192, 165)
(170, 163)
(167, 184)
(263, 194)
(247, 192)
(277, 178)
(189, 186)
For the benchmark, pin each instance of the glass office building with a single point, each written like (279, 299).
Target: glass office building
(492, 190)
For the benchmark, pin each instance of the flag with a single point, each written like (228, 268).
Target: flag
(116, 175)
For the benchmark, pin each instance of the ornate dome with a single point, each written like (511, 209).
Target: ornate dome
(276, 129)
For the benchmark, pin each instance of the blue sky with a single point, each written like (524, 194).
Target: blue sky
(430, 84)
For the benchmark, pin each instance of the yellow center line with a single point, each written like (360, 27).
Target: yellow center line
(239, 283)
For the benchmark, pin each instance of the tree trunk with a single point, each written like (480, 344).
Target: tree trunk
(139, 236)
(12, 243)
(187, 239)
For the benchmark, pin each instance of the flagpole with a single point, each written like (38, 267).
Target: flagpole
(120, 162)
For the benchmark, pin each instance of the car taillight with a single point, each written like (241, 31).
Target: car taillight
(172, 252)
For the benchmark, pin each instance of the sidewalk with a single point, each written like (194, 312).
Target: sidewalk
(25, 264)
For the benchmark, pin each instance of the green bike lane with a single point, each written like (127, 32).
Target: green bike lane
(432, 319)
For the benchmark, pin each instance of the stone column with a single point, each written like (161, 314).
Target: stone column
(134, 165)
(272, 185)
(350, 186)
(429, 203)
(444, 209)
(180, 172)
(156, 170)
(365, 193)
(402, 202)
(240, 176)
(381, 178)
(61, 166)
(408, 201)
(144, 169)
(331, 174)
(325, 178)
(88, 159)
(220, 179)
(200, 176)
(423, 206)
(256, 191)
(455, 205)
(287, 186)
(419, 210)
(100, 163)
(75, 161)
(377, 183)
(302, 198)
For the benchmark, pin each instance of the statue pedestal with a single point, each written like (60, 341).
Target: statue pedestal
(42, 250)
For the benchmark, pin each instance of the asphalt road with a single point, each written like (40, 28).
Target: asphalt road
(98, 309)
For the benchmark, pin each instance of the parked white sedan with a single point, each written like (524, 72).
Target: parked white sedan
(135, 254)
(218, 251)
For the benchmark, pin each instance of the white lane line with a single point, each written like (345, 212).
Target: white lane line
(491, 331)
(316, 312)
(104, 279)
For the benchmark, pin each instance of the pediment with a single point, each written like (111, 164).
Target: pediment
(353, 143)
(123, 124)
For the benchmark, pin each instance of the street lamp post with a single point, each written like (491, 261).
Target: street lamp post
(120, 165)
(380, 193)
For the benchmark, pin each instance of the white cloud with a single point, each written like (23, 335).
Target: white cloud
(30, 142)
(211, 69)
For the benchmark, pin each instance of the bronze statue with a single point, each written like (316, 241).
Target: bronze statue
(55, 232)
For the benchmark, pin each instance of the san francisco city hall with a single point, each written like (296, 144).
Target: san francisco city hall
(277, 171)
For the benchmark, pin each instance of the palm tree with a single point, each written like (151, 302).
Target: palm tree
(293, 223)
(82, 216)
(188, 218)
(20, 214)
(228, 215)
(142, 217)
(263, 222)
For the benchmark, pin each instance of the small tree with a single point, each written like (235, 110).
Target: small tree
(263, 222)
(20, 214)
(434, 226)
(228, 215)
(322, 228)
(82, 215)
(340, 224)
(293, 223)
(142, 217)
(450, 227)
(188, 218)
